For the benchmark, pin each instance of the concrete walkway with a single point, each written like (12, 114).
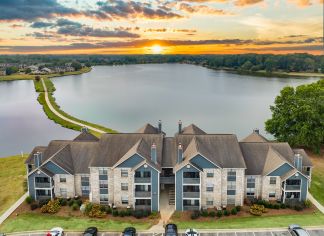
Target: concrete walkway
(319, 206)
(12, 208)
(63, 117)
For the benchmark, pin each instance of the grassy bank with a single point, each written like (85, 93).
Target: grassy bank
(317, 186)
(314, 219)
(34, 221)
(281, 74)
(12, 175)
(30, 77)
(41, 99)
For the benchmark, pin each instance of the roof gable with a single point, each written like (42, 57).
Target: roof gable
(192, 129)
(273, 161)
(147, 129)
(86, 136)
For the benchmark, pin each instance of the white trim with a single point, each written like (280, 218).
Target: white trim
(175, 191)
(158, 192)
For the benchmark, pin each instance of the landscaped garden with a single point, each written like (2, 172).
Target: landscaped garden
(75, 214)
(258, 214)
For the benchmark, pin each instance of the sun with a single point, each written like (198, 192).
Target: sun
(156, 49)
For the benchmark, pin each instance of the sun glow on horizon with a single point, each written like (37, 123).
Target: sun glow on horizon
(156, 49)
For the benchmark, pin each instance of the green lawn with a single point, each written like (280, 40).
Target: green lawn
(34, 221)
(30, 77)
(12, 175)
(314, 219)
(317, 186)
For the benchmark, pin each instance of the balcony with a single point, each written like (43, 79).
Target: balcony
(142, 194)
(42, 185)
(191, 208)
(167, 180)
(191, 180)
(143, 180)
(143, 207)
(191, 195)
(292, 187)
(43, 197)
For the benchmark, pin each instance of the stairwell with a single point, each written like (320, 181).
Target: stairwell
(171, 196)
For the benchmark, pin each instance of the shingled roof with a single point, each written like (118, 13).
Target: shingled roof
(192, 129)
(255, 137)
(86, 136)
(147, 129)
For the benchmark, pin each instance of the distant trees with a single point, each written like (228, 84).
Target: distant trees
(28, 71)
(298, 116)
(37, 78)
(11, 70)
(76, 65)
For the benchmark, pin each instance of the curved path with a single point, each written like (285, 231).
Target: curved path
(62, 116)
(319, 206)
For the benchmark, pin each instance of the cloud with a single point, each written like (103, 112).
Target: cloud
(302, 3)
(65, 22)
(118, 9)
(28, 10)
(75, 30)
(45, 35)
(40, 24)
(202, 9)
(246, 2)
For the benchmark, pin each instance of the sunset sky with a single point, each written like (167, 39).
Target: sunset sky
(160, 26)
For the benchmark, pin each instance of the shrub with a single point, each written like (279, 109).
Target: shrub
(53, 206)
(276, 206)
(226, 213)
(88, 207)
(298, 208)
(109, 210)
(122, 213)
(154, 214)
(37, 78)
(70, 202)
(129, 212)
(146, 213)
(63, 202)
(138, 214)
(283, 206)
(78, 201)
(204, 213)
(115, 213)
(195, 215)
(219, 214)
(307, 203)
(28, 200)
(257, 210)
(234, 211)
(43, 202)
(33, 206)
(95, 211)
(212, 214)
(238, 208)
(75, 206)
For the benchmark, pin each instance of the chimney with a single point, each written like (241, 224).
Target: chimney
(38, 159)
(84, 130)
(179, 126)
(298, 161)
(180, 153)
(256, 130)
(153, 153)
(160, 126)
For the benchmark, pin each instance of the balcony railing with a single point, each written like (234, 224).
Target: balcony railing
(142, 194)
(191, 180)
(167, 180)
(144, 180)
(292, 187)
(191, 208)
(191, 194)
(42, 185)
(43, 197)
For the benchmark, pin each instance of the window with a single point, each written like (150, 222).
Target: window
(250, 182)
(85, 186)
(231, 192)
(209, 187)
(250, 192)
(103, 199)
(231, 200)
(124, 199)
(63, 192)
(209, 202)
(272, 194)
(231, 175)
(124, 186)
(231, 186)
(85, 191)
(103, 171)
(103, 191)
(62, 179)
(124, 173)
(273, 180)
(103, 183)
(210, 174)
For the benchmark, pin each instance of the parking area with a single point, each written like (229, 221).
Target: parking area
(312, 232)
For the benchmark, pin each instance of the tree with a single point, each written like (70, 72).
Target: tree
(28, 71)
(37, 78)
(298, 116)
(11, 70)
(269, 65)
(88, 64)
(247, 66)
(76, 65)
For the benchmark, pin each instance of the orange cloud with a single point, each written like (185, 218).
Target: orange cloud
(246, 2)
(302, 3)
(203, 9)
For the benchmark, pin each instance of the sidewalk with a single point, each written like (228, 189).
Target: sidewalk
(316, 203)
(12, 208)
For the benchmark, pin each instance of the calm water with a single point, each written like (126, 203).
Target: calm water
(126, 97)
(23, 124)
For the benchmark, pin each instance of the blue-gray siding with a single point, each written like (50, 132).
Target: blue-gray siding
(202, 162)
(283, 169)
(304, 188)
(31, 182)
(179, 186)
(55, 169)
(132, 161)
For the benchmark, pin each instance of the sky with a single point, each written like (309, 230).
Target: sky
(161, 26)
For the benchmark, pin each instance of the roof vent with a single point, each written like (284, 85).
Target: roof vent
(298, 161)
(153, 153)
(180, 153)
(256, 130)
(160, 126)
(179, 126)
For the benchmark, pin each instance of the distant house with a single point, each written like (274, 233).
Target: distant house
(195, 170)
(2, 72)
(46, 70)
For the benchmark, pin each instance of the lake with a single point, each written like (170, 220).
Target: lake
(126, 97)
(23, 124)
